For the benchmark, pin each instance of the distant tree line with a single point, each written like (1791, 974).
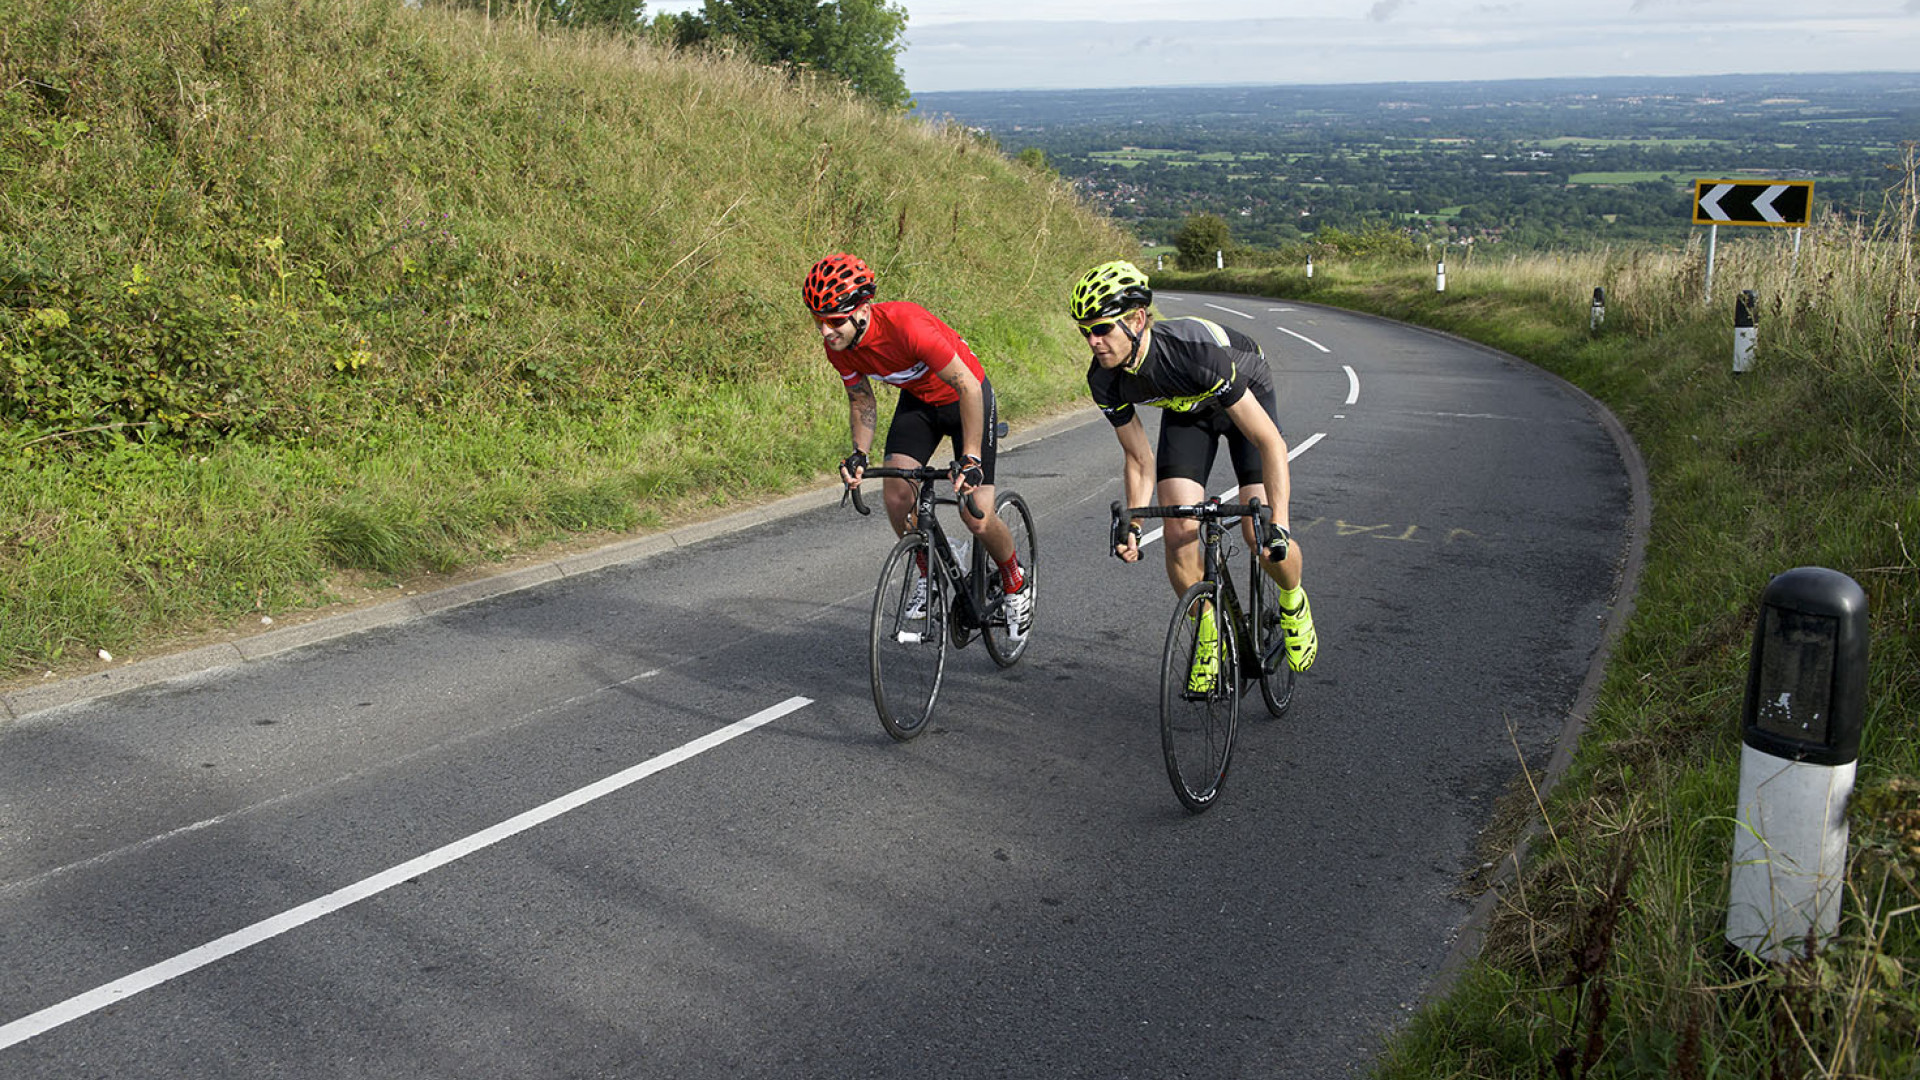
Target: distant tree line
(856, 41)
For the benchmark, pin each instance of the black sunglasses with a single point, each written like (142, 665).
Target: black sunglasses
(1097, 330)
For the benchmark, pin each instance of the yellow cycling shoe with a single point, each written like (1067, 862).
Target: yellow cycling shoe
(1303, 645)
(1206, 657)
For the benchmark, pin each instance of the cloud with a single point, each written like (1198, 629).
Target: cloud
(1411, 41)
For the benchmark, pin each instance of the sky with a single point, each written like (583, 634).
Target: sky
(1081, 44)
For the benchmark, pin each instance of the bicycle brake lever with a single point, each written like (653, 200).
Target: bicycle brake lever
(858, 503)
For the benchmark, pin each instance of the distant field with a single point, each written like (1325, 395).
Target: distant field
(1130, 156)
(1564, 141)
(1683, 177)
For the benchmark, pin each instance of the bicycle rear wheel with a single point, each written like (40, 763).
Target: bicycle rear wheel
(1198, 715)
(1270, 644)
(906, 656)
(1002, 645)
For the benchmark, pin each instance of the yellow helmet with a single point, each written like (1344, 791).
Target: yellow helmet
(1109, 290)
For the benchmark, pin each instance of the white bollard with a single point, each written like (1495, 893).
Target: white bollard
(1743, 331)
(1800, 748)
(1440, 276)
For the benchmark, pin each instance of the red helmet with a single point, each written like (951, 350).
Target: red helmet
(837, 284)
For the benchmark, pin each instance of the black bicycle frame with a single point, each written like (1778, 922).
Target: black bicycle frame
(969, 586)
(1214, 526)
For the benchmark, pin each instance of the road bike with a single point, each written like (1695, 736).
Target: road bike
(907, 646)
(1200, 716)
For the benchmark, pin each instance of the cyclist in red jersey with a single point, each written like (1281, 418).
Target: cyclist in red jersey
(944, 394)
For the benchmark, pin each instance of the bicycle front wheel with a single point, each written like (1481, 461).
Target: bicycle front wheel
(1004, 644)
(1269, 644)
(907, 642)
(1199, 697)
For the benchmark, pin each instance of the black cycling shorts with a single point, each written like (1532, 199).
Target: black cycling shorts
(1190, 441)
(918, 427)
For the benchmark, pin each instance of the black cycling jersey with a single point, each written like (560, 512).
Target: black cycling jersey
(1192, 365)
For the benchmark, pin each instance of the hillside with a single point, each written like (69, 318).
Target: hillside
(307, 297)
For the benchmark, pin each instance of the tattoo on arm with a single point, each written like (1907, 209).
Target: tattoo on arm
(866, 410)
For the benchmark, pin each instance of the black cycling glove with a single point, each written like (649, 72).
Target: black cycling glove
(970, 471)
(854, 463)
(1276, 542)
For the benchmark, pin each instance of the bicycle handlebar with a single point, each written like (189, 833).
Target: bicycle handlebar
(1212, 509)
(920, 474)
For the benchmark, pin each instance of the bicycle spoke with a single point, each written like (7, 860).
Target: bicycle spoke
(1002, 644)
(1270, 645)
(1199, 702)
(907, 649)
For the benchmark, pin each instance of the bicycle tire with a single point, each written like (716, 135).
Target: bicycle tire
(1197, 729)
(1006, 649)
(1269, 638)
(906, 658)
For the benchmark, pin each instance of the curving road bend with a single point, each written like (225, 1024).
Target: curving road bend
(641, 822)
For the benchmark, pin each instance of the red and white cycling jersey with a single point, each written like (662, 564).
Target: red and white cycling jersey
(905, 344)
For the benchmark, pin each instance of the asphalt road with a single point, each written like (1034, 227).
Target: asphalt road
(641, 821)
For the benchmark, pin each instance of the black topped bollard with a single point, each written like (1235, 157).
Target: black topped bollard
(1800, 746)
(1743, 330)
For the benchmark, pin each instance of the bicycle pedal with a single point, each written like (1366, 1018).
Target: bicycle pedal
(908, 637)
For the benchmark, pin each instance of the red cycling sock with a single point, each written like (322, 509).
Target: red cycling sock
(1011, 579)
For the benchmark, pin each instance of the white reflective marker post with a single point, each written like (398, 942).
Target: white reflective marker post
(1800, 744)
(1744, 330)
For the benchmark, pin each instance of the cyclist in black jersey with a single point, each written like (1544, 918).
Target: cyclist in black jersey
(1213, 383)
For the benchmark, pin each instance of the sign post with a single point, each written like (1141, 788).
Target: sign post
(1776, 203)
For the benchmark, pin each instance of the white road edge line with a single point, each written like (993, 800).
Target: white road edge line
(74, 1008)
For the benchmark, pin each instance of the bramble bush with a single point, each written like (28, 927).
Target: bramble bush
(137, 358)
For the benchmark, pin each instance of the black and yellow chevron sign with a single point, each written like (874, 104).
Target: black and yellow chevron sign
(1752, 202)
